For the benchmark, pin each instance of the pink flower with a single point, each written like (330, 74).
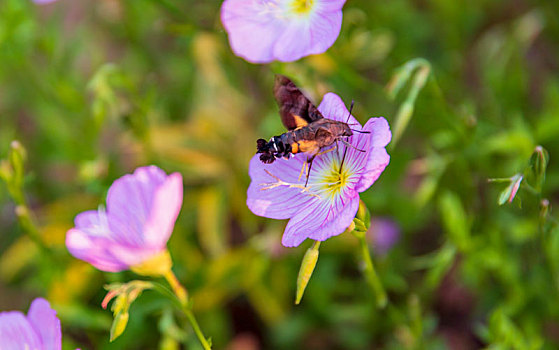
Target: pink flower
(39, 330)
(261, 31)
(328, 204)
(141, 212)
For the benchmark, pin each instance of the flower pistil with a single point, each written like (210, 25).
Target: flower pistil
(302, 7)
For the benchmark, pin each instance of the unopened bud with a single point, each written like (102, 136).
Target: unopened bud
(305, 272)
(538, 163)
(119, 325)
(121, 303)
(6, 171)
(509, 193)
(17, 157)
(110, 295)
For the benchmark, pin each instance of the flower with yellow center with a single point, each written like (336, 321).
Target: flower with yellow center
(262, 31)
(328, 204)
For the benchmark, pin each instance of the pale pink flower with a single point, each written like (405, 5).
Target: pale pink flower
(261, 31)
(39, 330)
(140, 216)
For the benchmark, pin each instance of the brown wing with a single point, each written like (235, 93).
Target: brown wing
(296, 110)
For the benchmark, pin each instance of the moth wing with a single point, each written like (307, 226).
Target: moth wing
(296, 110)
(324, 137)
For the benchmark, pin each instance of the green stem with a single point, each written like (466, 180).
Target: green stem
(371, 274)
(196, 328)
(182, 296)
(178, 289)
(530, 189)
(26, 222)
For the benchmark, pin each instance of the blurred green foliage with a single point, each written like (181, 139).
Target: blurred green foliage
(93, 89)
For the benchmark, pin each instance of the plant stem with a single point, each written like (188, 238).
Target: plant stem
(26, 222)
(182, 296)
(196, 328)
(178, 289)
(371, 274)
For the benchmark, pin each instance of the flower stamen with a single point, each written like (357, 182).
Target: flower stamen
(280, 182)
(335, 180)
(302, 7)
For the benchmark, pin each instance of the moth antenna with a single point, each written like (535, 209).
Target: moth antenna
(350, 109)
(361, 131)
(345, 142)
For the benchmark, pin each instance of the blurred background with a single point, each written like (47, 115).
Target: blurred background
(93, 89)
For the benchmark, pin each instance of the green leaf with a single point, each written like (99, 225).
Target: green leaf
(455, 220)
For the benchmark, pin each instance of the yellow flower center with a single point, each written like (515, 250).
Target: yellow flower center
(335, 180)
(302, 7)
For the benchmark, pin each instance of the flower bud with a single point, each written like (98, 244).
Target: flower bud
(509, 193)
(17, 157)
(306, 270)
(538, 164)
(6, 171)
(119, 325)
(363, 214)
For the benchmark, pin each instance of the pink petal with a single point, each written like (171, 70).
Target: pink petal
(129, 203)
(308, 219)
(263, 31)
(43, 319)
(377, 161)
(325, 28)
(94, 250)
(325, 6)
(91, 223)
(303, 37)
(332, 107)
(164, 212)
(280, 202)
(380, 130)
(252, 32)
(320, 220)
(16, 333)
(294, 42)
(344, 215)
(130, 256)
(377, 158)
(141, 212)
(105, 254)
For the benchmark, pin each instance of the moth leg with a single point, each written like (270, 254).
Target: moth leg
(303, 169)
(309, 161)
(352, 146)
(327, 151)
